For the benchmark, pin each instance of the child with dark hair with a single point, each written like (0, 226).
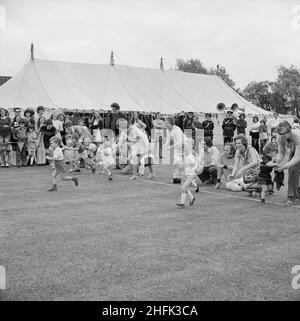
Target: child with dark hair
(48, 131)
(31, 144)
(266, 167)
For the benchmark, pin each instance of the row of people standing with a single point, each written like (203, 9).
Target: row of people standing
(260, 130)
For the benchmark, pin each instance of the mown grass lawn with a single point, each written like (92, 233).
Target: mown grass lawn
(124, 240)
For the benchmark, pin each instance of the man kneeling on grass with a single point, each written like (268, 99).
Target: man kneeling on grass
(58, 164)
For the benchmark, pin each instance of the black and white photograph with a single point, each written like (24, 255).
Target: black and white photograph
(149, 152)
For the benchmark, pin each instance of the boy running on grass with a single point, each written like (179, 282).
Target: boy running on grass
(189, 173)
(58, 164)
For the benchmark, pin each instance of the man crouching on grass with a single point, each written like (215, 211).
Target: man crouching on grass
(58, 164)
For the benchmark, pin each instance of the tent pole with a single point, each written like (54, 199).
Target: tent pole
(32, 52)
(161, 64)
(112, 61)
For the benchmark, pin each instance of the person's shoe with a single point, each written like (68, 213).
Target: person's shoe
(290, 202)
(7, 165)
(76, 181)
(197, 189)
(133, 177)
(180, 205)
(110, 177)
(192, 201)
(2, 165)
(93, 170)
(52, 189)
(77, 170)
(176, 180)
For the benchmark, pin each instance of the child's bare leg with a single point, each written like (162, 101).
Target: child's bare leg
(264, 190)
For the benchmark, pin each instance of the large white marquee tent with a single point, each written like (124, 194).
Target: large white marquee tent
(66, 85)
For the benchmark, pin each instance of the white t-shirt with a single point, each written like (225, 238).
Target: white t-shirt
(272, 122)
(58, 154)
(190, 165)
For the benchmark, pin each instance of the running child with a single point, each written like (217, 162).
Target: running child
(189, 173)
(58, 164)
(82, 153)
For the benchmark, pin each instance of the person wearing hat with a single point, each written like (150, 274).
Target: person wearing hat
(288, 141)
(48, 132)
(228, 126)
(208, 126)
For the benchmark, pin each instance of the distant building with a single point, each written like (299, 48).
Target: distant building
(3, 79)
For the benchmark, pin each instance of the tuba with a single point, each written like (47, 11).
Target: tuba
(221, 107)
(234, 107)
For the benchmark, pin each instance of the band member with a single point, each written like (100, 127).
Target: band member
(229, 126)
(208, 126)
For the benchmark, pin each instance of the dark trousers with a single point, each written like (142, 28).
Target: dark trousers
(228, 139)
(209, 173)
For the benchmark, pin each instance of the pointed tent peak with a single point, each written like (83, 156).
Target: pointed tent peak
(32, 52)
(112, 61)
(161, 64)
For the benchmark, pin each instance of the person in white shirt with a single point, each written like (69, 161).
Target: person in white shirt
(139, 145)
(254, 132)
(207, 162)
(288, 141)
(157, 134)
(175, 136)
(57, 124)
(58, 164)
(272, 123)
(189, 166)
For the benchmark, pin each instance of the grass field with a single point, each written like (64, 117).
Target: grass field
(124, 240)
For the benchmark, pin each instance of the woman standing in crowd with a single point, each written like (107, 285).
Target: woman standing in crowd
(254, 133)
(40, 112)
(241, 124)
(96, 125)
(135, 120)
(40, 148)
(14, 126)
(5, 133)
(263, 134)
(29, 117)
(288, 140)
(158, 134)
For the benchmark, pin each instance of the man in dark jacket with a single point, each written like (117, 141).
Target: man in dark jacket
(208, 126)
(114, 116)
(229, 126)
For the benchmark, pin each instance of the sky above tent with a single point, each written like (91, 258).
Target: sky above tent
(249, 38)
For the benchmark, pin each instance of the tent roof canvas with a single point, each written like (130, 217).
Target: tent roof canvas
(67, 85)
